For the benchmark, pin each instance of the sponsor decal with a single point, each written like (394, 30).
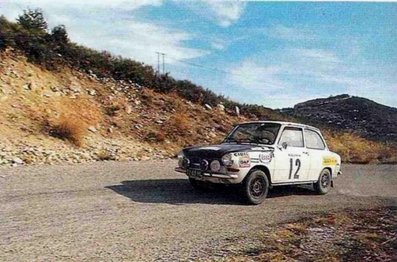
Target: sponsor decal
(265, 158)
(329, 161)
(244, 161)
(241, 154)
(294, 155)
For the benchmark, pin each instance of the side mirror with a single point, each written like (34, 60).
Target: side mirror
(284, 145)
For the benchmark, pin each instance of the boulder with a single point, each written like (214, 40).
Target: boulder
(128, 109)
(221, 107)
(17, 160)
(237, 111)
(92, 92)
(28, 86)
(92, 129)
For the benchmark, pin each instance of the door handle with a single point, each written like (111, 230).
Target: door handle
(306, 153)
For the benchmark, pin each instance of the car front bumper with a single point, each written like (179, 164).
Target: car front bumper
(207, 176)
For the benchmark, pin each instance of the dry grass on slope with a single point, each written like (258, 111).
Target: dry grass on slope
(355, 149)
(71, 119)
(33, 103)
(171, 122)
(69, 128)
(62, 117)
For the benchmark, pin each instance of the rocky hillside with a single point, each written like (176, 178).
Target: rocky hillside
(67, 115)
(355, 114)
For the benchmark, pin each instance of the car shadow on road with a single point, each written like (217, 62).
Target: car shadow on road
(179, 191)
(283, 191)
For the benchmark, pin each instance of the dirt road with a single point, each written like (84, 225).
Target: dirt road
(144, 211)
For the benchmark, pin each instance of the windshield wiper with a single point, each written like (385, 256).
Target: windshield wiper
(242, 141)
(246, 141)
(257, 141)
(230, 140)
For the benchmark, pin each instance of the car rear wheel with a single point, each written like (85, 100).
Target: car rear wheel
(323, 184)
(255, 187)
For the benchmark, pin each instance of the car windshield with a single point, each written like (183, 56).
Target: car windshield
(257, 133)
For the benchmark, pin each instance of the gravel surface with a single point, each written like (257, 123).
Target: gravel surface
(144, 211)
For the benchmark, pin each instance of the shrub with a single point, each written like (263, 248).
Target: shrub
(355, 149)
(146, 97)
(59, 34)
(75, 117)
(157, 136)
(180, 121)
(69, 128)
(105, 154)
(177, 126)
(112, 110)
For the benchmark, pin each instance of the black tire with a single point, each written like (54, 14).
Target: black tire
(255, 187)
(323, 185)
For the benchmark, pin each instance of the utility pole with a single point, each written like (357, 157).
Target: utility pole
(158, 62)
(163, 63)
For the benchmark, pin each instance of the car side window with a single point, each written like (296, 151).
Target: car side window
(292, 136)
(314, 140)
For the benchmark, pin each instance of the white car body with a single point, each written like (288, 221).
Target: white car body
(283, 164)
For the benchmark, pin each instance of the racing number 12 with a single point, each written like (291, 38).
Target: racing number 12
(291, 163)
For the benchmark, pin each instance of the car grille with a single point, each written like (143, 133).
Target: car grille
(199, 163)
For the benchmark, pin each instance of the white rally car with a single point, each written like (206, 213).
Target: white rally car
(260, 155)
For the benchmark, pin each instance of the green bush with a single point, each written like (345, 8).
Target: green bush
(33, 20)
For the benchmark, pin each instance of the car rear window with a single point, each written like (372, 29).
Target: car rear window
(314, 140)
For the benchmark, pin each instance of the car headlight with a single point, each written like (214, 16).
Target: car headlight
(185, 163)
(215, 166)
(180, 154)
(181, 160)
(227, 160)
(204, 164)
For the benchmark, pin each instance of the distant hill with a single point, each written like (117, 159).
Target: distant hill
(360, 115)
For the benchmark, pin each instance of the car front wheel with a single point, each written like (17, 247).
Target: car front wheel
(323, 184)
(255, 187)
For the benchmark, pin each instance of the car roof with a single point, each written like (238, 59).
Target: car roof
(282, 123)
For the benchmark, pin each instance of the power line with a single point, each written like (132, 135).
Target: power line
(232, 73)
(247, 75)
(208, 68)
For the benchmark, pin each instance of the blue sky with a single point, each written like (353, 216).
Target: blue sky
(271, 53)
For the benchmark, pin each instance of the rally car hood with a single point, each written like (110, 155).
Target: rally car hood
(217, 151)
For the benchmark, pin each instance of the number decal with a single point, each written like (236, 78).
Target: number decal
(297, 163)
(291, 163)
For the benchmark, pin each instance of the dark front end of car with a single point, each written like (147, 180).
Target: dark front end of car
(209, 160)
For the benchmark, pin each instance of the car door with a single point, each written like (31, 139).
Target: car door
(291, 157)
(317, 152)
